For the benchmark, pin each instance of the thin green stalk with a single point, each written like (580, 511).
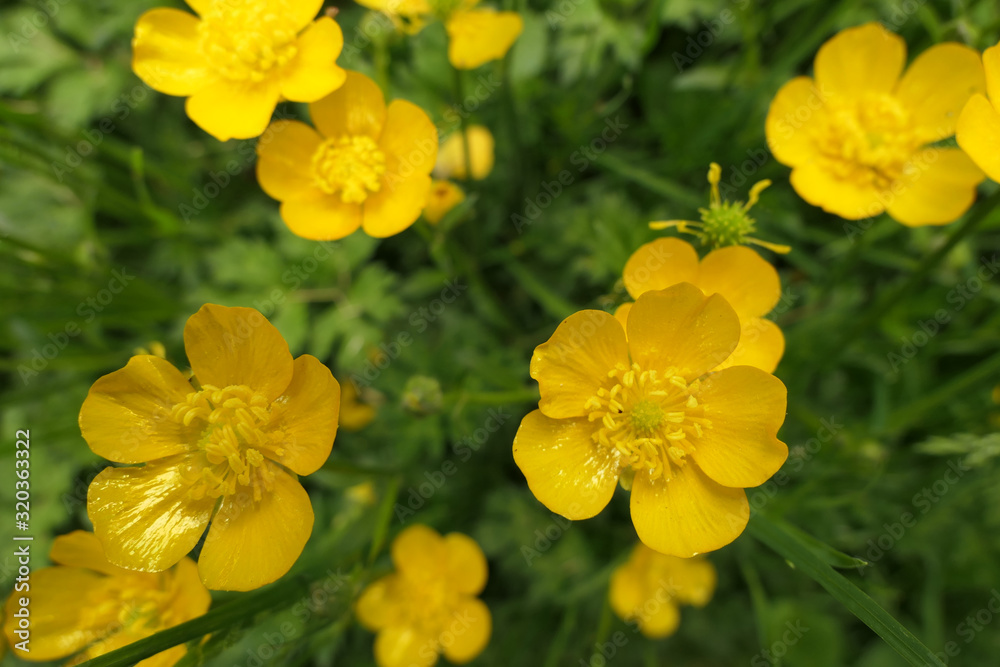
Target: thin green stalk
(672, 190)
(553, 304)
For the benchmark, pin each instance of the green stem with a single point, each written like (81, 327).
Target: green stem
(672, 190)
(553, 304)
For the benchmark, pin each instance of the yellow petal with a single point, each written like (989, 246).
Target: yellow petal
(991, 65)
(404, 646)
(747, 281)
(125, 637)
(232, 110)
(659, 265)
(313, 72)
(761, 345)
(301, 12)
(573, 364)
(939, 187)
(745, 407)
(321, 217)
(144, 516)
(696, 581)
(189, 597)
(126, 415)
(859, 60)
(451, 158)
(621, 314)
(627, 590)
(566, 470)
(284, 159)
(467, 570)
(841, 197)
(356, 108)
(938, 84)
(411, 138)
(682, 329)
(661, 620)
(237, 346)
(84, 550)
(796, 107)
(396, 206)
(979, 135)
(468, 631)
(309, 417)
(380, 605)
(478, 36)
(254, 542)
(687, 515)
(166, 53)
(167, 658)
(201, 7)
(419, 550)
(443, 196)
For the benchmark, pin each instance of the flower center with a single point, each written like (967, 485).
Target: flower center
(433, 602)
(868, 141)
(352, 166)
(651, 419)
(726, 224)
(244, 40)
(236, 433)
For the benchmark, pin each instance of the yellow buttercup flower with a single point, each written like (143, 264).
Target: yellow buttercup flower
(86, 606)
(648, 589)
(451, 158)
(223, 448)
(354, 415)
(648, 409)
(238, 58)
(428, 606)
(748, 282)
(444, 196)
(475, 35)
(859, 136)
(367, 165)
(724, 223)
(979, 125)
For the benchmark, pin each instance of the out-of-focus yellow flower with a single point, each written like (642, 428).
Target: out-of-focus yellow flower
(354, 415)
(238, 58)
(475, 35)
(979, 125)
(444, 196)
(648, 588)
(225, 447)
(428, 606)
(451, 158)
(859, 136)
(362, 494)
(648, 408)
(748, 282)
(86, 606)
(724, 223)
(367, 166)
(155, 348)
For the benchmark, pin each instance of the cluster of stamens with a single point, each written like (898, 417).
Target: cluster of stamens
(652, 420)
(244, 40)
(236, 434)
(351, 165)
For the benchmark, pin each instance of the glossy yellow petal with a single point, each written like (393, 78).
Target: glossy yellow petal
(938, 84)
(478, 36)
(467, 570)
(126, 415)
(468, 631)
(396, 206)
(451, 158)
(82, 549)
(761, 345)
(313, 72)
(745, 407)
(310, 407)
(991, 65)
(621, 314)
(659, 618)
(356, 108)
(404, 646)
(566, 470)
(687, 515)
(237, 346)
(573, 364)
(797, 107)
(411, 138)
(380, 605)
(660, 264)
(419, 550)
(747, 281)
(284, 159)
(232, 110)
(979, 135)
(254, 542)
(680, 328)
(166, 53)
(144, 516)
(859, 60)
(443, 196)
(939, 188)
(321, 217)
(846, 198)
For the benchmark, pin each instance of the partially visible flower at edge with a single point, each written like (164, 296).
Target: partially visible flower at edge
(354, 414)
(444, 196)
(979, 125)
